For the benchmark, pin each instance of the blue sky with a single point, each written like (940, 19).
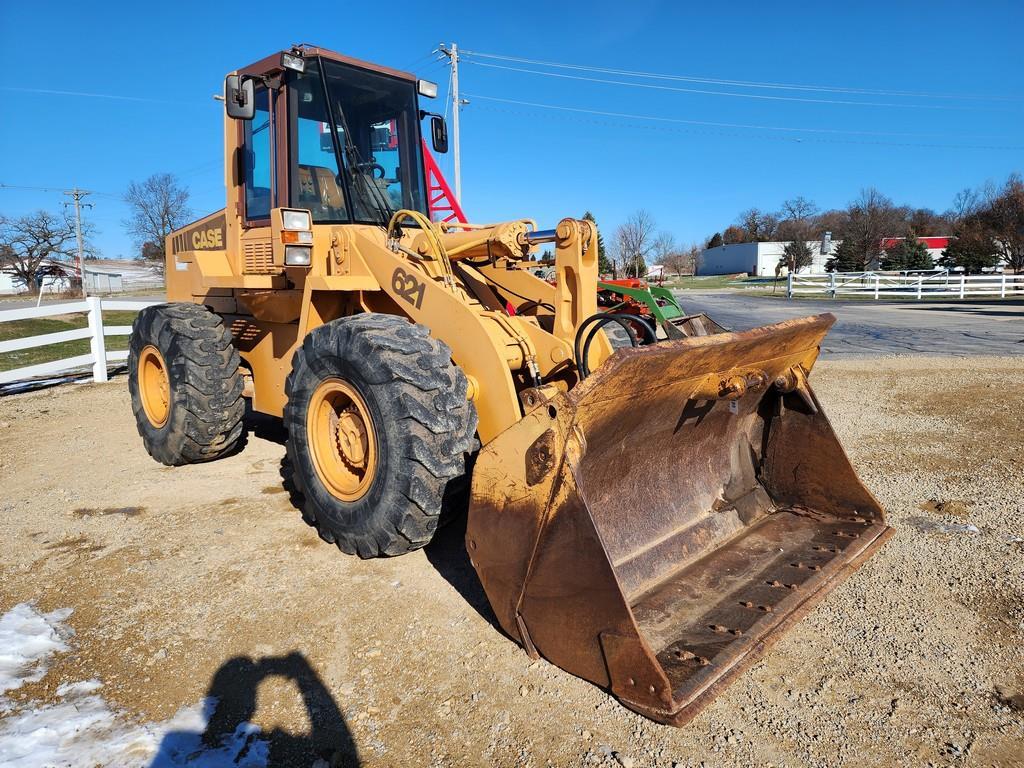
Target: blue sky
(531, 161)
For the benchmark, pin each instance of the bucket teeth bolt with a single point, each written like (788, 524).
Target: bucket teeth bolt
(719, 629)
(777, 583)
(692, 657)
(808, 566)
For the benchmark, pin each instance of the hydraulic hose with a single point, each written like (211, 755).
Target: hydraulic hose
(594, 323)
(431, 234)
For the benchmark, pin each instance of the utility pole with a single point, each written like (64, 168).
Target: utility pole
(76, 195)
(457, 104)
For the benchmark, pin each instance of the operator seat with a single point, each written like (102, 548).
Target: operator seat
(320, 193)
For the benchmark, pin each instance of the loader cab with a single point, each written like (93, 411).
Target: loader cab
(325, 133)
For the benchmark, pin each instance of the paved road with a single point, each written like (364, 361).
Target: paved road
(873, 328)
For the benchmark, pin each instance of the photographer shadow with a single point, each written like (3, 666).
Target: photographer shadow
(231, 738)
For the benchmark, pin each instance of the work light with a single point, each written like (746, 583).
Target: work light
(292, 62)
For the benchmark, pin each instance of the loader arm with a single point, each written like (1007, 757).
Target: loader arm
(480, 344)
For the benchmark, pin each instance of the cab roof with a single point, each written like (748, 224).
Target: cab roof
(272, 63)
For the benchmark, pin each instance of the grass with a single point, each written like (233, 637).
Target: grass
(713, 281)
(17, 329)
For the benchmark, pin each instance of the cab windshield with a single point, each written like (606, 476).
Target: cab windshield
(370, 120)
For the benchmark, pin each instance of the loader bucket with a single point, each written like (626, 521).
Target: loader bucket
(657, 527)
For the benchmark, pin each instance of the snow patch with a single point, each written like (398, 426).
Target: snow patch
(27, 640)
(80, 728)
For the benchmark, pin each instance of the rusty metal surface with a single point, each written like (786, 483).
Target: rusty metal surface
(655, 528)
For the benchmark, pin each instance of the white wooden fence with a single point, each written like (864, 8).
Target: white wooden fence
(96, 332)
(920, 286)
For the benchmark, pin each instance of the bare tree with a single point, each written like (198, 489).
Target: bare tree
(965, 203)
(159, 205)
(872, 218)
(798, 208)
(735, 233)
(926, 222)
(663, 246)
(797, 220)
(665, 251)
(1003, 215)
(835, 221)
(634, 241)
(757, 225)
(682, 260)
(29, 241)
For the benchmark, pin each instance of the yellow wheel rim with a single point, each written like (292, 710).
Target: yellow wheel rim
(341, 439)
(154, 386)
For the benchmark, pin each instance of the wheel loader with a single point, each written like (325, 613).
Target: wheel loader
(650, 518)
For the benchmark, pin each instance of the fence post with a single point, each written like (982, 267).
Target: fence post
(789, 285)
(920, 286)
(96, 339)
(876, 286)
(832, 283)
(963, 282)
(1002, 287)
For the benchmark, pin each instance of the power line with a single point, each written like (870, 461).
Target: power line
(60, 189)
(752, 126)
(35, 189)
(743, 83)
(818, 134)
(113, 96)
(417, 62)
(707, 92)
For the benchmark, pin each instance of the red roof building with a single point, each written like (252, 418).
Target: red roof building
(931, 243)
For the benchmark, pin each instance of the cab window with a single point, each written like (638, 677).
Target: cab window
(259, 159)
(315, 185)
(384, 153)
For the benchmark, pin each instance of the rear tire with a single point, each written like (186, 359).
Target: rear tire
(185, 386)
(398, 432)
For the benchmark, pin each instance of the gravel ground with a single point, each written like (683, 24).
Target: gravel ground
(203, 580)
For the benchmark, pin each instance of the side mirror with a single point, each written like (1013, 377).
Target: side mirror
(439, 134)
(239, 97)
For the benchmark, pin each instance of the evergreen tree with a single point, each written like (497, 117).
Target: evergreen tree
(846, 258)
(715, 240)
(797, 255)
(973, 250)
(604, 264)
(909, 253)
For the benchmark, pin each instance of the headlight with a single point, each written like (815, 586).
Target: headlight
(297, 255)
(295, 220)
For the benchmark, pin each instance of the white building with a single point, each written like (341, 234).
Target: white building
(101, 276)
(58, 277)
(759, 259)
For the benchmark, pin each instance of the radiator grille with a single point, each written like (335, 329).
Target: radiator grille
(258, 258)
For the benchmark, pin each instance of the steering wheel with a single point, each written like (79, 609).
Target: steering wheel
(376, 169)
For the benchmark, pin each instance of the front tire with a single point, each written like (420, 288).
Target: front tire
(185, 386)
(379, 429)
